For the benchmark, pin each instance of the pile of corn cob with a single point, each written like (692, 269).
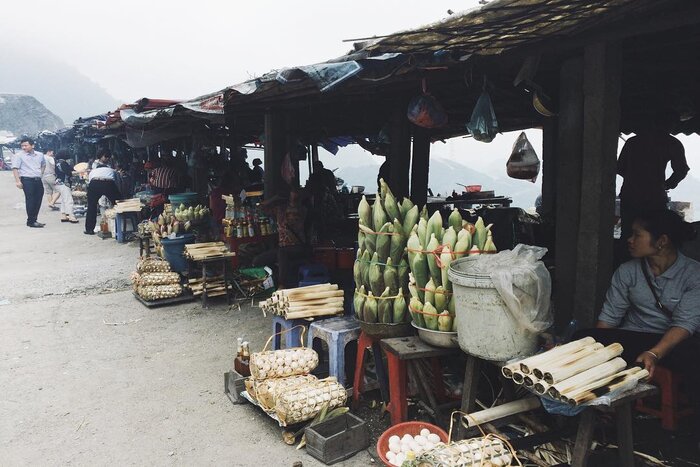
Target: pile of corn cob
(381, 269)
(431, 248)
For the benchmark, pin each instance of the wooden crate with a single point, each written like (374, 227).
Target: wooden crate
(337, 439)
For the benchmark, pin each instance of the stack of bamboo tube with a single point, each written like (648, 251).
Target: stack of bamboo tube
(575, 373)
(305, 302)
(200, 251)
(215, 286)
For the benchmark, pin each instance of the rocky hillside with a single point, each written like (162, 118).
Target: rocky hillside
(25, 115)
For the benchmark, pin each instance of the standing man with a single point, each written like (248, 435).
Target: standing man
(28, 168)
(642, 164)
(101, 181)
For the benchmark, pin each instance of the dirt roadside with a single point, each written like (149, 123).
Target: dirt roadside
(89, 376)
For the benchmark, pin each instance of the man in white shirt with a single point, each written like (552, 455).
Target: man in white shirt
(101, 182)
(28, 168)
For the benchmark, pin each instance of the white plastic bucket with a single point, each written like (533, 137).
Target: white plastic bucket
(485, 326)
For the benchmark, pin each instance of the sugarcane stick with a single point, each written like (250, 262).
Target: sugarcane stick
(555, 352)
(597, 357)
(619, 380)
(592, 374)
(540, 370)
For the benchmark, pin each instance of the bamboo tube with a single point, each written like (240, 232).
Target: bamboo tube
(317, 295)
(600, 382)
(309, 314)
(308, 289)
(502, 411)
(556, 351)
(567, 370)
(321, 301)
(541, 387)
(518, 377)
(540, 370)
(592, 374)
(529, 381)
(616, 383)
(508, 370)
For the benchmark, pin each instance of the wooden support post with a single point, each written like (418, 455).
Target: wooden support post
(601, 128)
(568, 187)
(400, 153)
(274, 152)
(549, 167)
(419, 166)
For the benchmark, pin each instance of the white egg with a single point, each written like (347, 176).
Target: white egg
(394, 439)
(400, 458)
(433, 438)
(407, 438)
(420, 439)
(428, 446)
(395, 448)
(424, 432)
(414, 446)
(390, 455)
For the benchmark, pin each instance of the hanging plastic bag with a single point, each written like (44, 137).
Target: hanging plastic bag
(483, 125)
(523, 163)
(425, 111)
(288, 172)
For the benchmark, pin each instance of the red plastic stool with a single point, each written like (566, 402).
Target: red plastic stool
(399, 352)
(670, 411)
(364, 342)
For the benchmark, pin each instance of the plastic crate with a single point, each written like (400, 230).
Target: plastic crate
(337, 439)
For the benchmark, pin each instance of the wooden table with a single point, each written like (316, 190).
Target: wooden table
(224, 262)
(403, 354)
(621, 406)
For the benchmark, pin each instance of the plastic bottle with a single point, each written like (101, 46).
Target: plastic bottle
(242, 362)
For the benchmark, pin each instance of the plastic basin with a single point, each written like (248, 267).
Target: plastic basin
(173, 250)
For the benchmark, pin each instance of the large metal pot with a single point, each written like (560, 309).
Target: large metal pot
(444, 339)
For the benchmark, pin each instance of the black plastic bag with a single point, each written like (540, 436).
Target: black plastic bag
(483, 125)
(523, 163)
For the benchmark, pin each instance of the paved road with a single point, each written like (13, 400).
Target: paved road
(88, 376)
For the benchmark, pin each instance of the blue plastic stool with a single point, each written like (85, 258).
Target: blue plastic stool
(120, 223)
(337, 333)
(291, 338)
(313, 274)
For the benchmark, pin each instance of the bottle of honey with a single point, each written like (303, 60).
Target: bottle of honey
(241, 363)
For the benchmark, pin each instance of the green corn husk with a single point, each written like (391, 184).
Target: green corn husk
(440, 299)
(451, 306)
(365, 212)
(379, 217)
(390, 206)
(474, 251)
(479, 237)
(444, 322)
(384, 241)
(376, 276)
(357, 270)
(364, 268)
(361, 240)
(445, 260)
(410, 220)
(420, 271)
(412, 287)
(385, 307)
(370, 238)
(399, 307)
(416, 304)
(413, 246)
(455, 220)
(462, 232)
(463, 244)
(359, 303)
(406, 206)
(449, 238)
(370, 309)
(435, 272)
(429, 293)
(424, 212)
(489, 245)
(422, 231)
(435, 225)
(403, 273)
(430, 316)
(391, 277)
(398, 242)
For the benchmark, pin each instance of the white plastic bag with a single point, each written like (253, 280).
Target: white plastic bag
(523, 283)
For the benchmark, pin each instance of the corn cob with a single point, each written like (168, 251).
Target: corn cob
(358, 303)
(422, 231)
(365, 212)
(432, 247)
(403, 274)
(429, 292)
(370, 309)
(361, 240)
(399, 307)
(376, 276)
(474, 251)
(420, 273)
(449, 238)
(430, 316)
(415, 307)
(370, 238)
(440, 299)
(385, 307)
(488, 245)
(391, 276)
(412, 286)
(364, 264)
(384, 241)
(445, 260)
(406, 206)
(455, 220)
(424, 212)
(398, 242)
(444, 322)
(410, 220)
(390, 205)
(479, 237)
(435, 225)
(414, 246)
(379, 217)
(357, 269)
(463, 244)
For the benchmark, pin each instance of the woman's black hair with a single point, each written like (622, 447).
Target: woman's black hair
(669, 223)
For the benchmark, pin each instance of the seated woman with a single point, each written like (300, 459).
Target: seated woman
(653, 305)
